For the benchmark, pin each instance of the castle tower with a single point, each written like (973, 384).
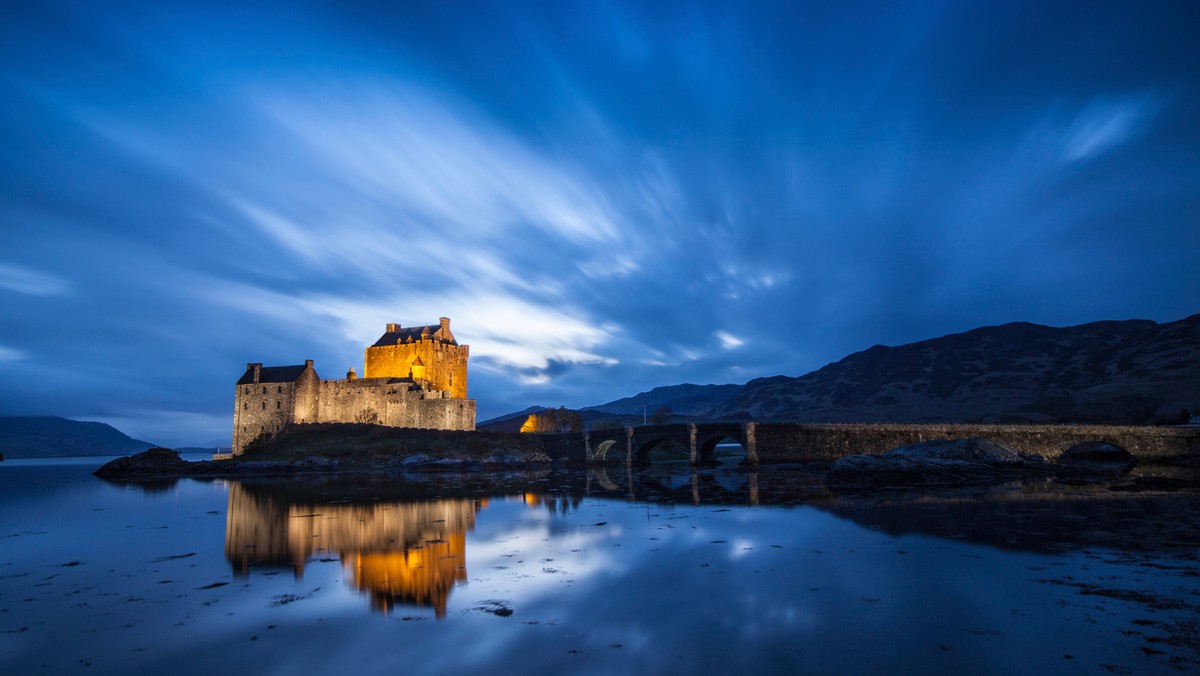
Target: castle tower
(428, 353)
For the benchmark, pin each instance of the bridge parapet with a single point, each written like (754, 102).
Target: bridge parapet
(775, 442)
(800, 442)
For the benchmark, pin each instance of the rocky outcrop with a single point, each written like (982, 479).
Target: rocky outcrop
(150, 464)
(957, 462)
(342, 448)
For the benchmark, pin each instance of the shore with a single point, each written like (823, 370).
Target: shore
(343, 448)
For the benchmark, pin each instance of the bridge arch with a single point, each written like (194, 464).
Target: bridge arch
(600, 452)
(643, 448)
(706, 448)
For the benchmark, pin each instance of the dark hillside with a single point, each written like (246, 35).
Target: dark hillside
(47, 437)
(1133, 371)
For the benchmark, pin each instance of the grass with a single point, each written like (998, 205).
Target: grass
(363, 441)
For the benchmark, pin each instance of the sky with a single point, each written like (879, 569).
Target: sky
(604, 197)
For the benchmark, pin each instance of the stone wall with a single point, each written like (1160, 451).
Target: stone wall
(804, 442)
(785, 442)
(261, 408)
(265, 408)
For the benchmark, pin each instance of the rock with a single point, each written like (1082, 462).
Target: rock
(974, 461)
(503, 458)
(1096, 458)
(155, 462)
(315, 462)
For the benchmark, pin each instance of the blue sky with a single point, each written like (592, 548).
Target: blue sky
(604, 197)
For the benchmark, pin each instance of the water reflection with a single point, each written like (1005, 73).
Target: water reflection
(1039, 515)
(408, 553)
(395, 552)
(713, 571)
(403, 542)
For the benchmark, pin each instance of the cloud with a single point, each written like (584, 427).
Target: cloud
(506, 332)
(439, 164)
(1104, 124)
(31, 282)
(728, 340)
(1096, 127)
(10, 354)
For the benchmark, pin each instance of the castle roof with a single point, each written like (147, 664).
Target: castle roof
(403, 335)
(273, 374)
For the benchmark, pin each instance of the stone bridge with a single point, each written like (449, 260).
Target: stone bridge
(781, 442)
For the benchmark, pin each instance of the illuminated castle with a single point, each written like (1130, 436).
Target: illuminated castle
(414, 377)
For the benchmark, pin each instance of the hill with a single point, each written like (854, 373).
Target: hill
(47, 437)
(686, 400)
(1133, 371)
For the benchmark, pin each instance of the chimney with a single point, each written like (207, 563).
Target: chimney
(392, 328)
(445, 322)
(308, 363)
(257, 368)
(351, 375)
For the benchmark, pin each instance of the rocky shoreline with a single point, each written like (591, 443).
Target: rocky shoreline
(164, 463)
(928, 465)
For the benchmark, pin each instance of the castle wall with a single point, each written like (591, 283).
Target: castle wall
(265, 408)
(445, 365)
(261, 408)
(306, 400)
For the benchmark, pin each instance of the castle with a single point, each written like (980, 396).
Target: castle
(412, 377)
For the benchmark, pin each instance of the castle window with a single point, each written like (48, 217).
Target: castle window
(278, 405)
(245, 405)
(264, 389)
(280, 389)
(264, 405)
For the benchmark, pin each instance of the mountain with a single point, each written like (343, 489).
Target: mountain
(686, 400)
(1133, 371)
(46, 437)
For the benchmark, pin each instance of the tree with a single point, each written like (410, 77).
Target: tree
(662, 415)
(561, 419)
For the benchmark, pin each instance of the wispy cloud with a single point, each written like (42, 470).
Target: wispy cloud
(454, 170)
(10, 354)
(728, 340)
(1092, 129)
(1104, 124)
(23, 280)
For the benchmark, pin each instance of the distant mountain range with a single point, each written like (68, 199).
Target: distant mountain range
(1134, 371)
(686, 399)
(47, 437)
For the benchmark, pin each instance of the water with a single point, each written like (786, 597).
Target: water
(661, 571)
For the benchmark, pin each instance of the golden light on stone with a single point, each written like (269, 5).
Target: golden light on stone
(395, 553)
(413, 377)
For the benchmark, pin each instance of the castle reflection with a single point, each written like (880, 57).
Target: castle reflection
(395, 552)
